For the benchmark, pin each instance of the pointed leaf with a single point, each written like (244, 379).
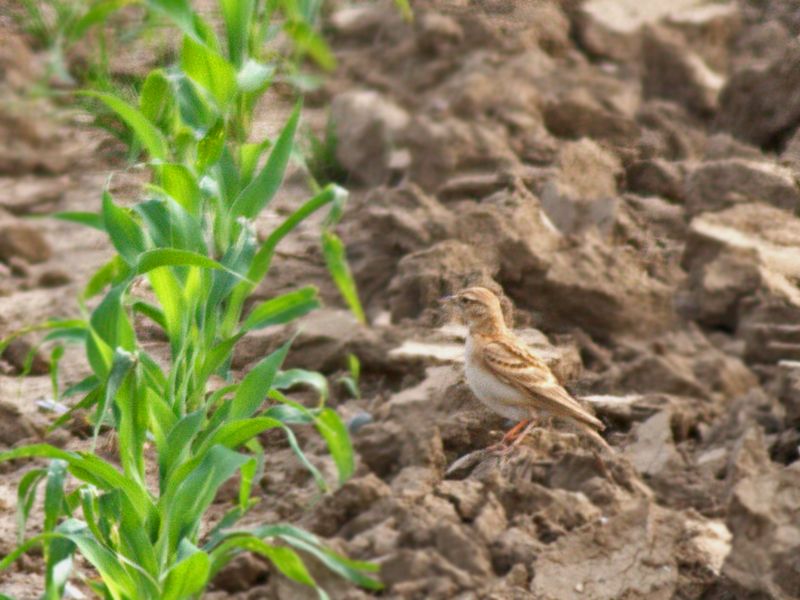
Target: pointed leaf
(238, 17)
(196, 492)
(125, 233)
(209, 70)
(331, 427)
(90, 219)
(282, 309)
(285, 559)
(254, 387)
(146, 132)
(335, 259)
(187, 577)
(260, 191)
(172, 257)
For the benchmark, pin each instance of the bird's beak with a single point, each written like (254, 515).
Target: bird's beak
(446, 299)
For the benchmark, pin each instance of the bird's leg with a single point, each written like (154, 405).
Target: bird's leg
(505, 445)
(513, 433)
(530, 425)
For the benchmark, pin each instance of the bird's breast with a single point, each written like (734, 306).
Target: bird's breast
(495, 394)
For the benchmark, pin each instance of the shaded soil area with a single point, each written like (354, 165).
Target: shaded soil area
(624, 174)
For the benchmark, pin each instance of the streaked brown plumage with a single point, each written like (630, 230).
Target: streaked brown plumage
(506, 376)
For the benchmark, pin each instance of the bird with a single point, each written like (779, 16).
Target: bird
(508, 378)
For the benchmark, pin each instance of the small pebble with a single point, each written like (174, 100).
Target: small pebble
(54, 278)
(358, 421)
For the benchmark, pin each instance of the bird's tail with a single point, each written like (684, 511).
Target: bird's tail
(598, 439)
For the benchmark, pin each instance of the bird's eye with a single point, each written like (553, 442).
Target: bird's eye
(463, 300)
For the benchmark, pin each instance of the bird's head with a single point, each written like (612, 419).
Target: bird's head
(479, 308)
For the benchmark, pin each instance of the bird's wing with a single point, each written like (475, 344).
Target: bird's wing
(513, 364)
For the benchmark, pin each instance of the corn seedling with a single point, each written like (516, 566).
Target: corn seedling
(187, 260)
(57, 25)
(321, 162)
(351, 380)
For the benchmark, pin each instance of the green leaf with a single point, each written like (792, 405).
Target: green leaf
(172, 257)
(111, 272)
(252, 199)
(86, 403)
(234, 433)
(97, 14)
(74, 335)
(405, 8)
(302, 540)
(126, 235)
(288, 379)
(108, 563)
(180, 183)
(187, 577)
(335, 259)
(153, 313)
(331, 428)
(133, 413)
(298, 452)
(254, 76)
(170, 296)
(289, 414)
(195, 493)
(89, 219)
(255, 385)
(309, 42)
(259, 266)
(57, 354)
(180, 11)
(83, 386)
(177, 441)
(263, 257)
(89, 468)
(238, 17)
(155, 95)
(249, 155)
(121, 365)
(111, 323)
(54, 494)
(146, 132)
(26, 495)
(285, 559)
(58, 552)
(250, 472)
(209, 70)
(218, 356)
(170, 225)
(209, 149)
(162, 418)
(349, 570)
(327, 422)
(282, 309)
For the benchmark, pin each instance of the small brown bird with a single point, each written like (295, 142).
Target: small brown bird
(507, 377)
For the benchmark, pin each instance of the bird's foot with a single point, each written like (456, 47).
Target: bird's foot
(531, 423)
(513, 433)
(513, 438)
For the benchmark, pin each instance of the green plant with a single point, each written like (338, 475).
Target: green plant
(60, 24)
(320, 157)
(404, 6)
(351, 380)
(187, 260)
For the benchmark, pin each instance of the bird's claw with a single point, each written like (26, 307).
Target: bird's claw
(513, 438)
